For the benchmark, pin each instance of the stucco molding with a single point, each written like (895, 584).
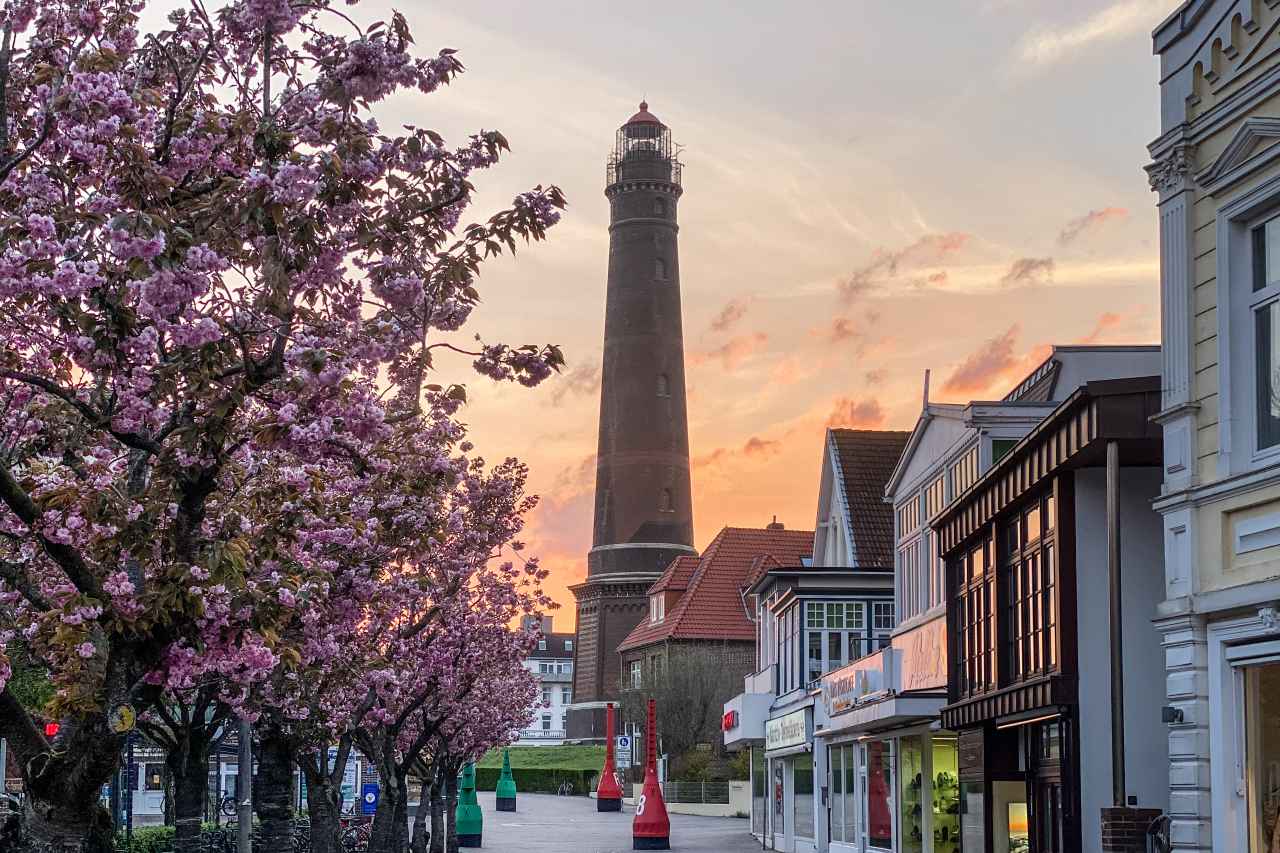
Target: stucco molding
(1240, 158)
(1171, 173)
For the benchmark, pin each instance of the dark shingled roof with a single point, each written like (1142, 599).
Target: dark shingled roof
(555, 648)
(712, 607)
(866, 460)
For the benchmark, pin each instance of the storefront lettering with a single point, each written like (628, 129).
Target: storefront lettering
(924, 656)
(842, 688)
(791, 730)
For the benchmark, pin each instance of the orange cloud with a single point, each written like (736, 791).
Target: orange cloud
(1107, 322)
(1089, 222)
(856, 414)
(729, 316)
(734, 351)
(757, 446)
(991, 361)
(929, 250)
(754, 447)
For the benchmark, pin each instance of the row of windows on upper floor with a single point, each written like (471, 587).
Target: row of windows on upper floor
(812, 638)
(542, 645)
(563, 667)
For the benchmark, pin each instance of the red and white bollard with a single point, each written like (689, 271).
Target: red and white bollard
(608, 794)
(651, 829)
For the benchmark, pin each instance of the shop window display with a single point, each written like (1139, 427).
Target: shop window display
(1262, 763)
(878, 820)
(945, 796)
(911, 794)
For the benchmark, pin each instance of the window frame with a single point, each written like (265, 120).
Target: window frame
(1238, 450)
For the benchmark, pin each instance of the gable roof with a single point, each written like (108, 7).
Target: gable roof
(711, 608)
(867, 459)
(676, 576)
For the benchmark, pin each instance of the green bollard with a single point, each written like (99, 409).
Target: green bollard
(467, 816)
(506, 790)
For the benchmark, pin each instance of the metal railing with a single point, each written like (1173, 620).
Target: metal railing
(696, 792)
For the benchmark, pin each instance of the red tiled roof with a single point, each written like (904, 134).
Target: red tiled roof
(712, 607)
(867, 459)
(676, 576)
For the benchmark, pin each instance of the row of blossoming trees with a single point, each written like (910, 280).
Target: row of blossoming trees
(232, 484)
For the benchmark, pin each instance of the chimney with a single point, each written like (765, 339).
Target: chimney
(775, 525)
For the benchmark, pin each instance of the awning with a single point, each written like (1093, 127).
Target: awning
(790, 750)
(888, 713)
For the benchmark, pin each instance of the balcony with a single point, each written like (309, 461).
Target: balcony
(762, 681)
(555, 677)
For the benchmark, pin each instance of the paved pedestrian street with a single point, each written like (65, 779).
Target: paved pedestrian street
(545, 823)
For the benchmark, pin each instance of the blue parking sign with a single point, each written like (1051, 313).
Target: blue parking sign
(369, 798)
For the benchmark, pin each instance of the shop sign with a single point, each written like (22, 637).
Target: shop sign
(923, 656)
(789, 730)
(730, 721)
(844, 687)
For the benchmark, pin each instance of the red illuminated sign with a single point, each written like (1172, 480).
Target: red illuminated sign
(730, 721)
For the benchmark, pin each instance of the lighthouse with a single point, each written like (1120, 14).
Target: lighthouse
(643, 513)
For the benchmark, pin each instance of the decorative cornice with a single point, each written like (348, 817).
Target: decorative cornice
(1171, 173)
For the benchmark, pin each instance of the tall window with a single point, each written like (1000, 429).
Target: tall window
(664, 501)
(1030, 576)
(659, 269)
(564, 695)
(637, 678)
(935, 497)
(1265, 306)
(657, 608)
(964, 473)
(976, 629)
(660, 207)
(664, 385)
(1262, 755)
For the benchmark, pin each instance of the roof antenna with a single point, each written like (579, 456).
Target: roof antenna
(926, 388)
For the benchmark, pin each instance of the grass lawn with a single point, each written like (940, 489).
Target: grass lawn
(549, 757)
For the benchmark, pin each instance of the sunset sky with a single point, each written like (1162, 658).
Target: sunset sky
(871, 189)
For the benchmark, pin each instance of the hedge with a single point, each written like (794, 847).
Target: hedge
(538, 780)
(146, 839)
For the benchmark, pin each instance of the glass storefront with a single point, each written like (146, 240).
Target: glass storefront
(877, 817)
(802, 785)
(945, 795)
(842, 761)
(911, 791)
(1262, 755)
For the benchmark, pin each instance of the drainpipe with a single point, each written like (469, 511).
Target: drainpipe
(1118, 791)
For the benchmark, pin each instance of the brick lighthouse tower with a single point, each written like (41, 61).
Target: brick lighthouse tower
(643, 509)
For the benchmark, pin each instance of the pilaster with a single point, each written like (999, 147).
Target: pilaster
(1186, 653)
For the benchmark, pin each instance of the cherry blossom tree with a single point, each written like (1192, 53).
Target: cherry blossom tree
(216, 270)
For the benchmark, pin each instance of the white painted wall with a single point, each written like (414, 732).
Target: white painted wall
(1142, 556)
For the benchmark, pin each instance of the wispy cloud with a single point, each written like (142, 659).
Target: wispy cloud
(1090, 221)
(729, 316)
(755, 447)
(576, 381)
(930, 250)
(1025, 272)
(1047, 46)
(985, 365)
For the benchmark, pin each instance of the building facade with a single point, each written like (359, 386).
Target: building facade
(552, 661)
(1051, 572)
(1216, 171)
(643, 505)
(811, 618)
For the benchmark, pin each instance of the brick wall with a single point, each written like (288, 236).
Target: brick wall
(1124, 830)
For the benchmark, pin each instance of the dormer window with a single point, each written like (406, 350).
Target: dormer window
(657, 608)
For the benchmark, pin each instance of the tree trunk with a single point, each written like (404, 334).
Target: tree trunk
(451, 808)
(437, 811)
(385, 836)
(63, 780)
(273, 789)
(402, 813)
(425, 800)
(188, 768)
(323, 809)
